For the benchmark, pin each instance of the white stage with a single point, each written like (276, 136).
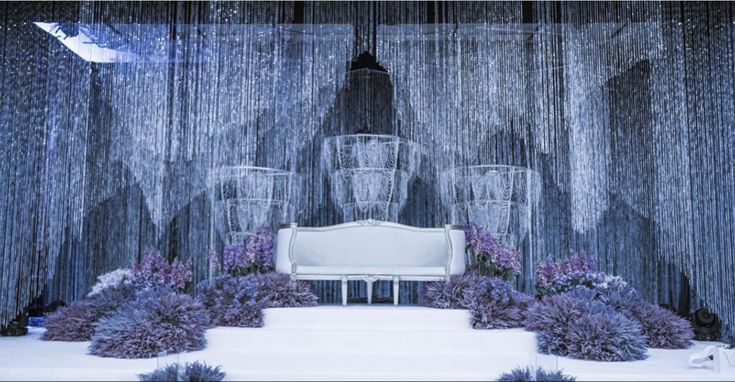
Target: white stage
(352, 343)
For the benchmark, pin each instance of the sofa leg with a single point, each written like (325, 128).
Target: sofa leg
(396, 286)
(344, 291)
(369, 291)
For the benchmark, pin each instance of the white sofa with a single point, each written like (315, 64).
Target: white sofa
(370, 250)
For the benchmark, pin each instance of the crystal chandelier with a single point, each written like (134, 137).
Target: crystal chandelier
(246, 197)
(497, 197)
(369, 174)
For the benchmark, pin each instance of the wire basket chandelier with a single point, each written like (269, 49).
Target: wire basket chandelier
(247, 197)
(500, 198)
(369, 174)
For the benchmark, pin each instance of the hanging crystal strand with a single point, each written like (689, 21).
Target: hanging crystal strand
(630, 109)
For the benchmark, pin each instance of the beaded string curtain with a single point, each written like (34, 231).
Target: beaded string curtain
(624, 109)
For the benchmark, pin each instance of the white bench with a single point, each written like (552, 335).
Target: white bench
(370, 250)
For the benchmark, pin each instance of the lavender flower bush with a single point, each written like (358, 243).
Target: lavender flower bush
(489, 256)
(279, 291)
(70, 323)
(662, 328)
(608, 337)
(577, 325)
(239, 301)
(108, 300)
(256, 256)
(495, 304)
(232, 301)
(155, 272)
(157, 321)
(520, 374)
(196, 371)
(76, 322)
(135, 314)
(449, 295)
(492, 302)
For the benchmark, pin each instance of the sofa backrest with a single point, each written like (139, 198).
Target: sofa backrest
(370, 243)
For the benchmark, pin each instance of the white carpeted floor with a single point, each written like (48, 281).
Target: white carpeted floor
(353, 343)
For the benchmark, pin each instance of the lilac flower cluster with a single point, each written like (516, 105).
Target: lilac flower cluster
(580, 262)
(259, 250)
(556, 277)
(489, 256)
(548, 271)
(154, 272)
(568, 282)
(233, 259)
(256, 256)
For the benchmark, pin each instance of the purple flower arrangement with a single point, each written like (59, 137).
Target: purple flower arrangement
(576, 325)
(255, 256)
(196, 371)
(70, 323)
(492, 302)
(239, 301)
(135, 313)
(279, 291)
(154, 272)
(557, 277)
(549, 272)
(488, 256)
(520, 374)
(656, 326)
(232, 301)
(158, 320)
(662, 328)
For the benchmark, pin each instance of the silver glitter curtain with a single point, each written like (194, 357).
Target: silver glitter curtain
(626, 111)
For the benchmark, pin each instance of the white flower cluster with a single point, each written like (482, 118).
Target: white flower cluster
(608, 280)
(111, 279)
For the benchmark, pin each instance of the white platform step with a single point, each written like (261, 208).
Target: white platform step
(368, 342)
(365, 317)
(289, 341)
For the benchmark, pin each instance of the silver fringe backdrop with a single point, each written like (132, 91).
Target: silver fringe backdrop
(626, 110)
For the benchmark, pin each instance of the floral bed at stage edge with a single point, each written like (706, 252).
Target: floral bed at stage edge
(144, 311)
(577, 312)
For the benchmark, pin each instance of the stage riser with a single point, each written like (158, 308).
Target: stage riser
(363, 317)
(366, 363)
(515, 341)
